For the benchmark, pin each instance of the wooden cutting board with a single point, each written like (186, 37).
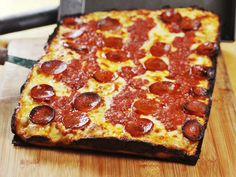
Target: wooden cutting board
(218, 157)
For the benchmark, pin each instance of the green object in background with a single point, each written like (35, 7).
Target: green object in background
(21, 61)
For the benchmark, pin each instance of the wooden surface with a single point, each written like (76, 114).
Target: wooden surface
(218, 157)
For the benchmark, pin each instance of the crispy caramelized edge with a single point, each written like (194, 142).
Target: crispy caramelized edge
(117, 145)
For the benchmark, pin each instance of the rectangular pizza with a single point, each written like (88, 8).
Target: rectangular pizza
(138, 82)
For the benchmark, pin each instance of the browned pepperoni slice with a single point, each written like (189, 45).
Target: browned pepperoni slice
(87, 101)
(139, 127)
(199, 91)
(195, 108)
(202, 72)
(188, 24)
(192, 130)
(42, 92)
(76, 121)
(113, 42)
(160, 88)
(170, 16)
(159, 49)
(116, 56)
(42, 114)
(73, 34)
(53, 67)
(103, 76)
(81, 49)
(207, 48)
(108, 24)
(68, 21)
(155, 64)
(145, 107)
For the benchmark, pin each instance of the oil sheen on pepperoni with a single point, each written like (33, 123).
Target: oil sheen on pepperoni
(81, 49)
(116, 56)
(113, 42)
(155, 64)
(170, 16)
(207, 48)
(188, 24)
(139, 127)
(76, 121)
(160, 88)
(108, 24)
(145, 106)
(42, 92)
(87, 101)
(195, 108)
(42, 115)
(103, 76)
(53, 67)
(199, 91)
(159, 49)
(193, 130)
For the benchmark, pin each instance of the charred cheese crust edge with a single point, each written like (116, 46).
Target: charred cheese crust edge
(123, 145)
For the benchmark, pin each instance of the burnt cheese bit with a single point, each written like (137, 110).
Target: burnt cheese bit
(188, 24)
(42, 114)
(160, 88)
(192, 130)
(108, 24)
(208, 48)
(195, 108)
(76, 121)
(53, 67)
(42, 92)
(159, 49)
(170, 16)
(87, 101)
(103, 76)
(155, 64)
(139, 127)
(145, 106)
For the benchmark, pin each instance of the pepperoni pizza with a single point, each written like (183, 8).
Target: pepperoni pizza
(137, 82)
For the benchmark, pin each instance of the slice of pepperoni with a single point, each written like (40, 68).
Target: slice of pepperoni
(139, 127)
(81, 49)
(159, 49)
(160, 88)
(196, 108)
(87, 101)
(113, 42)
(42, 115)
(74, 34)
(69, 21)
(199, 91)
(103, 76)
(155, 64)
(42, 92)
(188, 24)
(116, 56)
(108, 24)
(192, 130)
(202, 72)
(207, 48)
(170, 16)
(145, 107)
(53, 67)
(76, 121)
